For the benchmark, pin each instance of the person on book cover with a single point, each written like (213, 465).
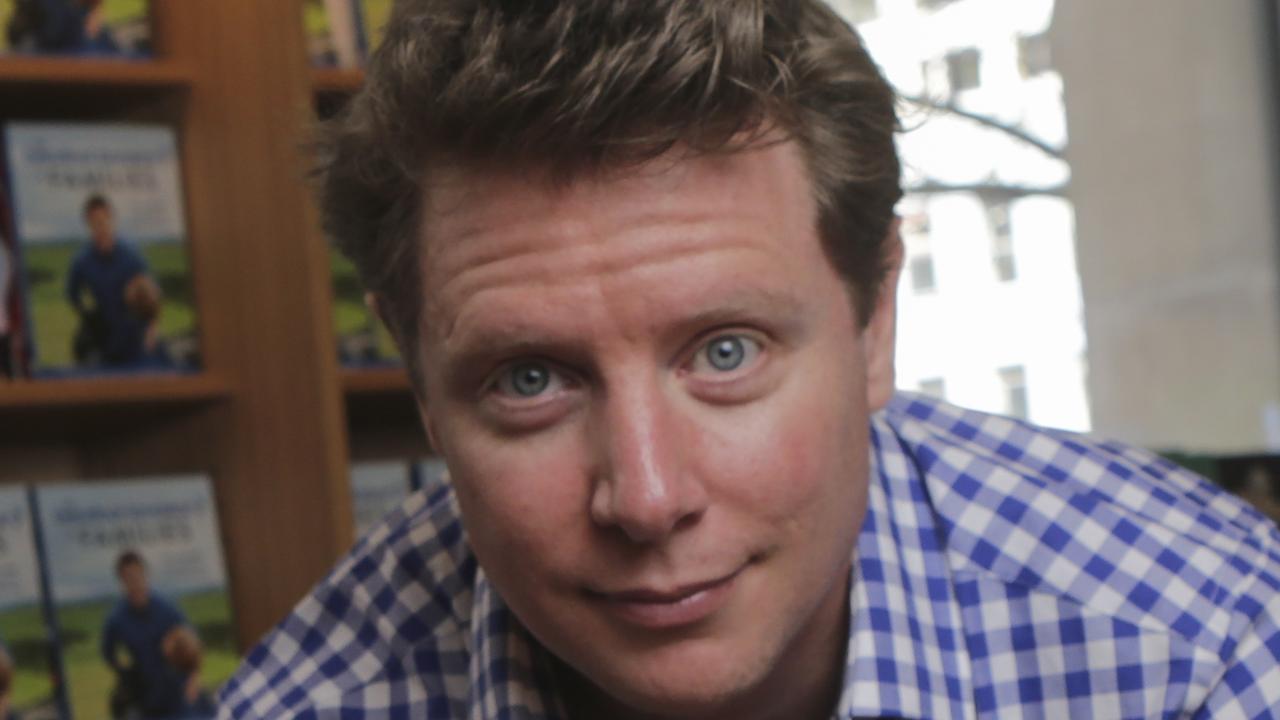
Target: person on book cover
(185, 653)
(150, 685)
(74, 27)
(112, 292)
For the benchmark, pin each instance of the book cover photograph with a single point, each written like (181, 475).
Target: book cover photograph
(11, 315)
(102, 242)
(139, 592)
(76, 27)
(330, 28)
(27, 665)
(362, 339)
(377, 488)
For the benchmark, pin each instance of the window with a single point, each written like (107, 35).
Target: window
(934, 388)
(1002, 242)
(962, 69)
(915, 235)
(1014, 380)
(1034, 55)
(922, 278)
(859, 11)
(915, 223)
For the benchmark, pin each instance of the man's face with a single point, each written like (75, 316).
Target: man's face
(133, 581)
(652, 393)
(102, 228)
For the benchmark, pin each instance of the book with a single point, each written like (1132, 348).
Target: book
(373, 15)
(377, 488)
(135, 572)
(362, 339)
(430, 475)
(27, 658)
(11, 314)
(101, 233)
(119, 28)
(330, 27)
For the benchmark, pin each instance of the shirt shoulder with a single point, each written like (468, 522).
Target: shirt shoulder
(167, 609)
(130, 253)
(116, 615)
(81, 258)
(1113, 528)
(390, 620)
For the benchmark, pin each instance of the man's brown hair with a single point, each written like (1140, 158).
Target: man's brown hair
(575, 86)
(127, 558)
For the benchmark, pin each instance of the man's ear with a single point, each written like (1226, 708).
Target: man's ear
(879, 335)
(378, 306)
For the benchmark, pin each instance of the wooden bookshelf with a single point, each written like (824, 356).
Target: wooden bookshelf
(141, 390)
(27, 71)
(336, 80)
(371, 381)
(267, 418)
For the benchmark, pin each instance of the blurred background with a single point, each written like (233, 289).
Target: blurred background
(1092, 244)
(1091, 226)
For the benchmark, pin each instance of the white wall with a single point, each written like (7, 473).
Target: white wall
(1170, 116)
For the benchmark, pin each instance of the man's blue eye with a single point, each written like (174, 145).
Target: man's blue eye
(726, 353)
(529, 379)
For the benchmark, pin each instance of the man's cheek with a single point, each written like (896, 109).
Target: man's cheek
(768, 459)
(521, 492)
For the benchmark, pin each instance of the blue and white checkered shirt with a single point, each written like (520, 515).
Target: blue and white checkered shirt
(1002, 571)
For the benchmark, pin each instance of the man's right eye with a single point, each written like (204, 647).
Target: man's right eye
(527, 380)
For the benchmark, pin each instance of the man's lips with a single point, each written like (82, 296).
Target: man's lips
(658, 608)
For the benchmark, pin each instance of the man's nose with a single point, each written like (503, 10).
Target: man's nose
(643, 487)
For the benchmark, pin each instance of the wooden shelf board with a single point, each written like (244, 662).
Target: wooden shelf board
(371, 381)
(336, 80)
(75, 71)
(99, 391)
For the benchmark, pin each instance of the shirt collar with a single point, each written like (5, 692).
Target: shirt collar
(510, 674)
(907, 656)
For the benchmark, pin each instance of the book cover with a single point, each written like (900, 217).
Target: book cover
(139, 592)
(331, 33)
(362, 339)
(373, 15)
(430, 475)
(12, 363)
(101, 233)
(27, 662)
(377, 488)
(119, 28)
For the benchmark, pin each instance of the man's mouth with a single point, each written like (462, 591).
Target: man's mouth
(658, 608)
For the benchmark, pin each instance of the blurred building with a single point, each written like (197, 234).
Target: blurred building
(990, 311)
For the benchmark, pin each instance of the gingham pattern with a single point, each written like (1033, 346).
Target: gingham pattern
(1003, 571)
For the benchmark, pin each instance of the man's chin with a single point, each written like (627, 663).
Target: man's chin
(692, 684)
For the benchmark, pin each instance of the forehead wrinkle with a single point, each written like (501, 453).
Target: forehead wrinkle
(592, 304)
(546, 260)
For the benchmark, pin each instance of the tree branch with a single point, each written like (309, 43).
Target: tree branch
(987, 189)
(1012, 131)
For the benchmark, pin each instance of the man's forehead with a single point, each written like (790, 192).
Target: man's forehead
(474, 213)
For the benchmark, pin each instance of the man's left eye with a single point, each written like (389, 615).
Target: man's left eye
(726, 353)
